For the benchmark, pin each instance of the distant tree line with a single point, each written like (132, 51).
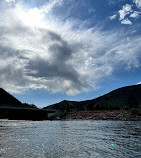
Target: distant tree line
(104, 104)
(26, 105)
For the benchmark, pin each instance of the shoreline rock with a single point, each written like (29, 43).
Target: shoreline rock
(101, 115)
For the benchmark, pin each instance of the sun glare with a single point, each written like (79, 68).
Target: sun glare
(34, 17)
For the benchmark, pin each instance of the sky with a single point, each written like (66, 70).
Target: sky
(54, 50)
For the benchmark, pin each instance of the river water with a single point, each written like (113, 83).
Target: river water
(70, 139)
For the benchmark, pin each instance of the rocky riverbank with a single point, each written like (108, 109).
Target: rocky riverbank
(102, 115)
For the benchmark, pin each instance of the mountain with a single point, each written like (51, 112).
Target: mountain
(7, 102)
(7, 99)
(124, 97)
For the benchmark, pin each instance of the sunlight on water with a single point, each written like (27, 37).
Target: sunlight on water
(70, 139)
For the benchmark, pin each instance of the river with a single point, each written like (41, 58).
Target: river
(70, 139)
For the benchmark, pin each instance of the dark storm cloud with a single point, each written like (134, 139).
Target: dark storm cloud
(23, 69)
(37, 50)
(11, 68)
(58, 63)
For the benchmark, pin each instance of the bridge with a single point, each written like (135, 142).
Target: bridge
(21, 113)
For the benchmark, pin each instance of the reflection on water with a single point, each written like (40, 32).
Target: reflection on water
(70, 139)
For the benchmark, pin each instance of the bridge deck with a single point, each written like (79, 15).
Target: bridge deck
(23, 108)
(19, 113)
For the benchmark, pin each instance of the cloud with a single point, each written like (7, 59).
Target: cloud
(126, 9)
(138, 83)
(126, 21)
(8, 1)
(45, 52)
(51, 4)
(135, 14)
(138, 3)
(113, 17)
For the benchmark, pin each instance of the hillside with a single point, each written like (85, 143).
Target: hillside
(7, 99)
(119, 98)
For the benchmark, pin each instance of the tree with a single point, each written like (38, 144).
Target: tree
(90, 107)
(26, 105)
(132, 101)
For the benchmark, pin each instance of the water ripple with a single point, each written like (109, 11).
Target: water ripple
(70, 139)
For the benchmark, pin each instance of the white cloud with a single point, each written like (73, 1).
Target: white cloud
(138, 3)
(113, 17)
(126, 9)
(51, 4)
(135, 14)
(126, 21)
(8, 1)
(138, 83)
(50, 54)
